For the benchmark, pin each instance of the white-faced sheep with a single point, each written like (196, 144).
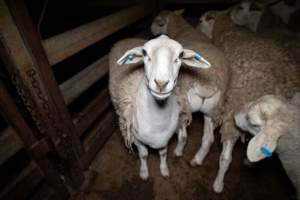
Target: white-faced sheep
(255, 66)
(205, 90)
(275, 124)
(142, 92)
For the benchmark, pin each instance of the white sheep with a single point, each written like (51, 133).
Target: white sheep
(142, 81)
(275, 124)
(258, 67)
(205, 90)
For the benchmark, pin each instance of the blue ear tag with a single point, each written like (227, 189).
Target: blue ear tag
(197, 56)
(129, 57)
(266, 152)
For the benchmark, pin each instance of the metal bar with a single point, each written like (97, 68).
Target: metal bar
(70, 42)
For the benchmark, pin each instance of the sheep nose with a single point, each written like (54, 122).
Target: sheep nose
(161, 84)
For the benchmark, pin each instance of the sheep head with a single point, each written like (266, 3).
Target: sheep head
(162, 58)
(247, 13)
(206, 23)
(266, 119)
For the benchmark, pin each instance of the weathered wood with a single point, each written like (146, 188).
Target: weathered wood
(31, 73)
(70, 42)
(23, 185)
(75, 86)
(99, 135)
(10, 112)
(89, 113)
(10, 144)
(44, 192)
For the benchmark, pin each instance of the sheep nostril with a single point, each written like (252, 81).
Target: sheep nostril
(161, 84)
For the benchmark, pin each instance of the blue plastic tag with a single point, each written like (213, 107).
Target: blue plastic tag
(266, 152)
(129, 57)
(197, 56)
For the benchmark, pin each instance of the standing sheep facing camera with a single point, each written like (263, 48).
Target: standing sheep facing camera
(142, 80)
(275, 124)
(253, 62)
(204, 89)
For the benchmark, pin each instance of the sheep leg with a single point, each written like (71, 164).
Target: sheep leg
(224, 163)
(164, 170)
(182, 137)
(143, 154)
(207, 141)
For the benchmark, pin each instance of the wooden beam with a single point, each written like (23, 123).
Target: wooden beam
(89, 113)
(75, 86)
(10, 144)
(70, 42)
(99, 135)
(33, 77)
(23, 185)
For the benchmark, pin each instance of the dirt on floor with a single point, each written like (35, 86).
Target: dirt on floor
(118, 174)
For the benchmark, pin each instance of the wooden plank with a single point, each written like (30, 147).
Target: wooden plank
(10, 112)
(23, 185)
(33, 77)
(75, 86)
(99, 135)
(95, 108)
(10, 143)
(70, 42)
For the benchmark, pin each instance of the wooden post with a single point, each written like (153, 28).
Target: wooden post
(31, 73)
(36, 149)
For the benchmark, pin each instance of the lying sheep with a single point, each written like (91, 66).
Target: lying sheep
(275, 124)
(205, 90)
(144, 98)
(253, 62)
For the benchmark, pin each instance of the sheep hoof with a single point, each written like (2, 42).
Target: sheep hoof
(178, 153)
(165, 172)
(195, 162)
(218, 187)
(144, 175)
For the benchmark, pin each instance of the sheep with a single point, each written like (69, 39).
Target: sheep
(257, 67)
(275, 124)
(257, 18)
(205, 90)
(144, 98)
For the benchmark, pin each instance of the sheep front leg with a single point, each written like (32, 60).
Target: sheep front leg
(143, 154)
(207, 141)
(182, 137)
(224, 163)
(164, 170)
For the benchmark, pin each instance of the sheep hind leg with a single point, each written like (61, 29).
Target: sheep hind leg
(182, 137)
(207, 141)
(224, 163)
(143, 154)
(164, 170)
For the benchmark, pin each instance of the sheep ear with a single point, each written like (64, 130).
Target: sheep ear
(263, 144)
(131, 56)
(254, 19)
(194, 59)
(179, 12)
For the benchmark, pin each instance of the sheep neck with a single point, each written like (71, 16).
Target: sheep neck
(157, 121)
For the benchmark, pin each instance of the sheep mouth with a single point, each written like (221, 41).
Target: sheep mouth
(160, 95)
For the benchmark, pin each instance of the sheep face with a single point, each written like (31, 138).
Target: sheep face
(247, 14)
(162, 58)
(263, 119)
(206, 23)
(160, 24)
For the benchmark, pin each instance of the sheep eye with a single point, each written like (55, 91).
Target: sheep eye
(240, 7)
(144, 53)
(208, 17)
(181, 55)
